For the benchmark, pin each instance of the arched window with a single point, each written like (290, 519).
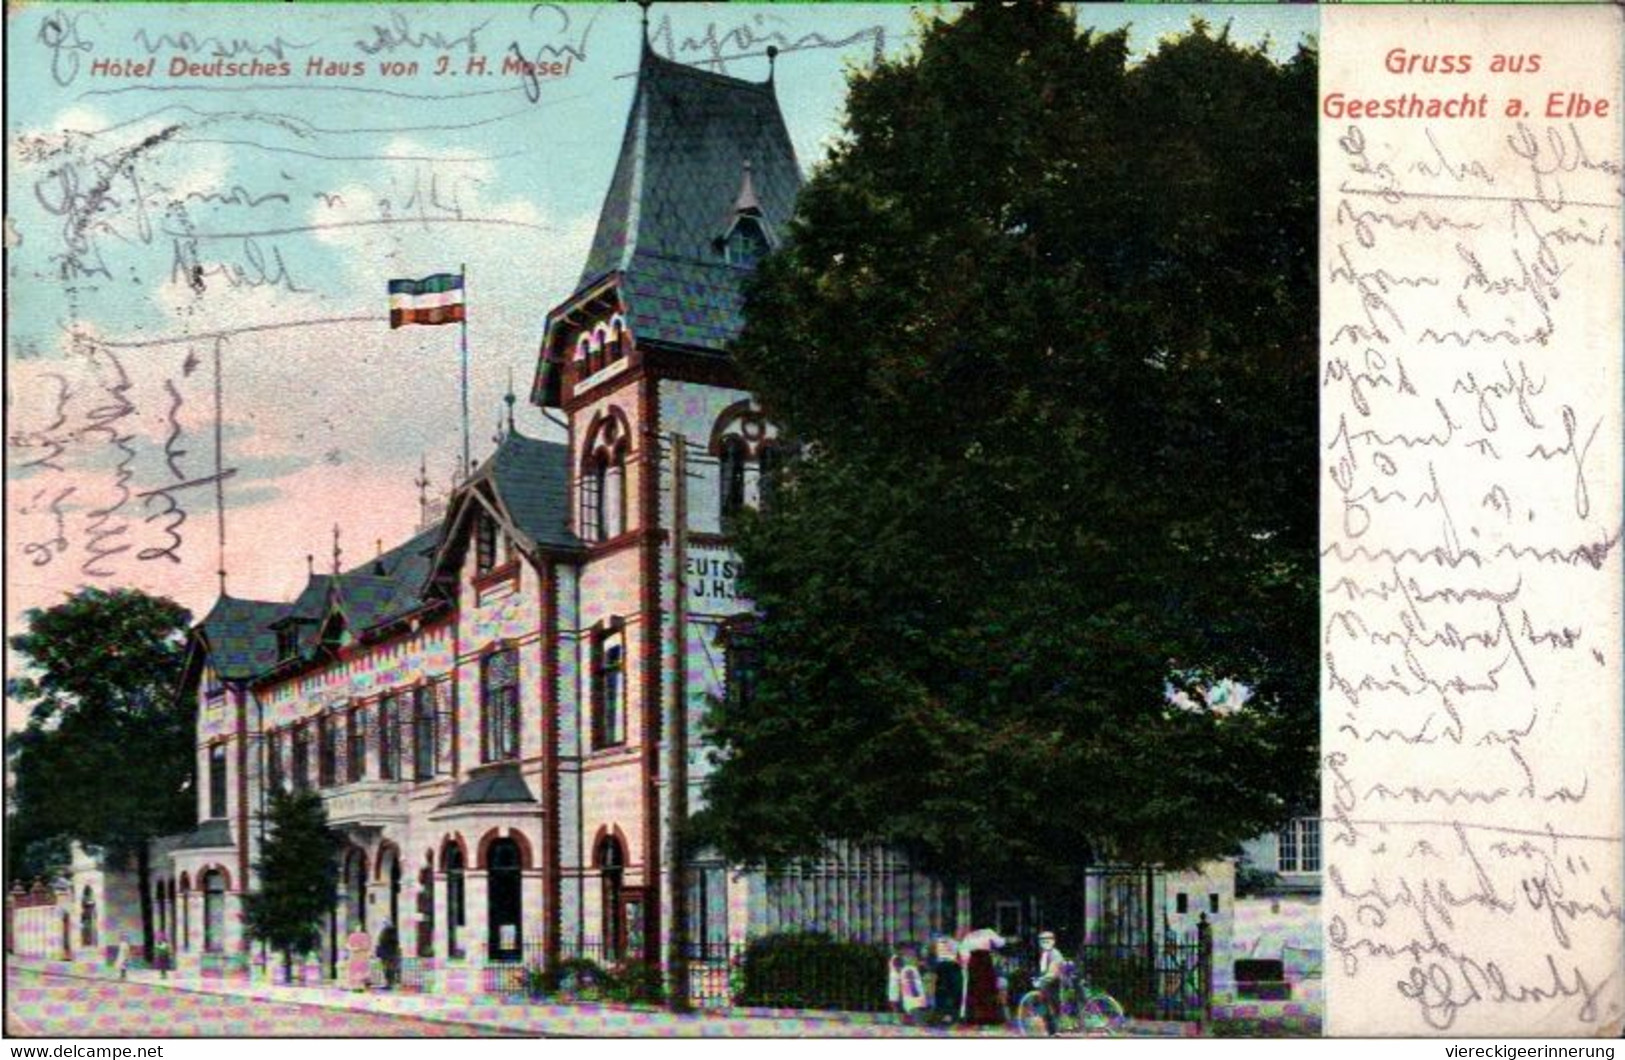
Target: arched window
(611, 861)
(214, 911)
(733, 477)
(454, 900)
(87, 918)
(603, 484)
(504, 904)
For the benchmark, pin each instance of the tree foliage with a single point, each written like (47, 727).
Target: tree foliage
(1045, 324)
(298, 869)
(108, 750)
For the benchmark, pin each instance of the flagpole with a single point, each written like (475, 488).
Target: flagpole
(462, 272)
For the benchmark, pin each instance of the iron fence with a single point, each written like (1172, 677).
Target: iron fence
(511, 976)
(417, 974)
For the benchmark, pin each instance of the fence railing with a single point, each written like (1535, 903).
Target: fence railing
(1172, 982)
(509, 975)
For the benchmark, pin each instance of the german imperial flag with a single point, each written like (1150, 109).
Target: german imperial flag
(436, 299)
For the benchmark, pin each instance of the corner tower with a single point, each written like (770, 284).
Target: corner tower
(637, 361)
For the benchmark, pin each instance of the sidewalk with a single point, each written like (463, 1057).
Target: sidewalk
(579, 1020)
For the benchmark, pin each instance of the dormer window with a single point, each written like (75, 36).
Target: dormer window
(746, 245)
(287, 642)
(485, 544)
(333, 631)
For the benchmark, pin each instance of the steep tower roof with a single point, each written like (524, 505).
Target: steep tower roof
(687, 141)
(697, 146)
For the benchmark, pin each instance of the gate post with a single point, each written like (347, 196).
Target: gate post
(1204, 949)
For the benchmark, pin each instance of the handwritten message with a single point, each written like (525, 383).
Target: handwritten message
(206, 207)
(1471, 418)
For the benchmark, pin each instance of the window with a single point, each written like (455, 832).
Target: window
(733, 477)
(499, 705)
(742, 663)
(213, 686)
(287, 642)
(603, 485)
(357, 751)
(611, 860)
(1300, 845)
(504, 902)
(389, 738)
(423, 732)
(273, 759)
(454, 901)
(485, 543)
(708, 912)
(217, 780)
(609, 689)
(746, 244)
(87, 919)
(327, 763)
(214, 911)
(768, 461)
(301, 758)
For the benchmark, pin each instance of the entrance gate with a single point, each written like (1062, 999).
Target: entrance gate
(1133, 953)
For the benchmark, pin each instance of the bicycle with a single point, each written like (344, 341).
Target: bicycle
(1083, 1008)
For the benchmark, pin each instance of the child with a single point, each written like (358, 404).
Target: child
(912, 987)
(121, 957)
(160, 953)
(894, 983)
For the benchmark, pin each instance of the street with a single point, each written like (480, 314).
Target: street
(44, 1005)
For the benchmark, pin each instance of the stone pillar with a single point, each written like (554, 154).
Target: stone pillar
(533, 913)
(476, 926)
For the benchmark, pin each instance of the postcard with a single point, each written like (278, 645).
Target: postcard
(828, 520)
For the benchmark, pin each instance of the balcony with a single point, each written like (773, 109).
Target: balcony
(366, 802)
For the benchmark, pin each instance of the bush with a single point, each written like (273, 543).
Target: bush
(635, 982)
(808, 970)
(577, 977)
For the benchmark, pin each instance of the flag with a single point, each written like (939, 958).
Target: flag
(436, 299)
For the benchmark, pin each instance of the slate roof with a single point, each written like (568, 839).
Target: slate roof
(210, 835)
(240, 639)
(390, 586)
(490, 784)
(532, 479)
(674, 194)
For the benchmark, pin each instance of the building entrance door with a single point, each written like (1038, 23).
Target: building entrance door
(503, 900)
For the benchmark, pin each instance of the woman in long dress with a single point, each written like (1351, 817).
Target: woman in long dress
(359, 945)
(982, 1006)
(949, 994)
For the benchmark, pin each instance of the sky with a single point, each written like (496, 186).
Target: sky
(197, 259)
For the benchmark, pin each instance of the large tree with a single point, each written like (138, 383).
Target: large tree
(107, 753)
(1045, 326)
(298, 869)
